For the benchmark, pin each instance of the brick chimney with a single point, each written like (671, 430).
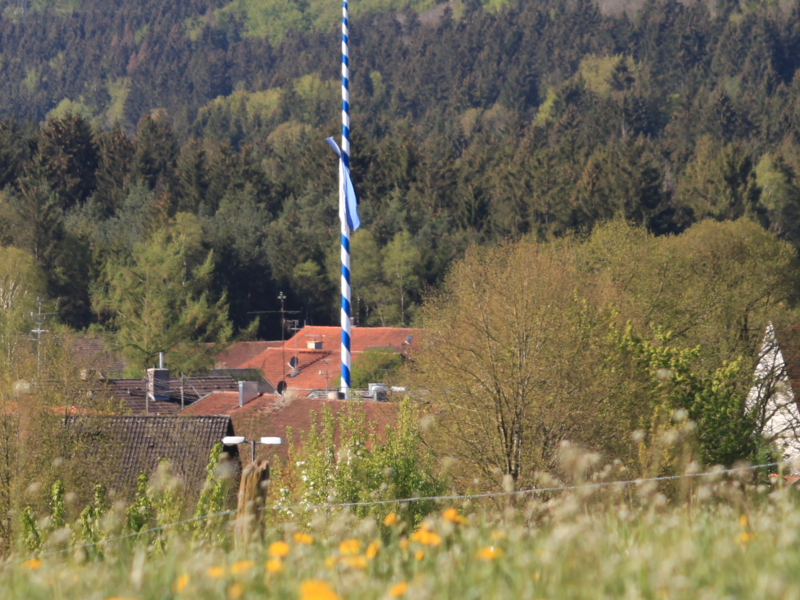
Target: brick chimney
(158, 380)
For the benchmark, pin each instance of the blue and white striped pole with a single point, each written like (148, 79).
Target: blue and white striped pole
(344, 167)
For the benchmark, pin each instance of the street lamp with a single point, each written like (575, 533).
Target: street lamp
(235, 440)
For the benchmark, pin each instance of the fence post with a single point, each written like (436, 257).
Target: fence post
(251, 499)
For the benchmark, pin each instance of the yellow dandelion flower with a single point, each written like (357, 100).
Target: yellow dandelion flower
(216, 572)
(372, 549)
(32, 563)
(426, 538)
(398, 589)
(744, 537)
(314, 589)
(303, 538)
(278, 549)
(181, 582)
(242, 566)
(274, 565)
(451, 514)
(350, 547)
(390, 519)
(235, 591)
(743, 520)
(355, 562)
(419, 555)
(489, 553)
(330, 562)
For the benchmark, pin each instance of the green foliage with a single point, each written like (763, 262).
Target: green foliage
(58, 509)
(89, 526)
(374, 366)
(140, 515)
(366, 467)
(714, 402)
(31, 538)
(213, 499)
(157, 300)
(519, 371)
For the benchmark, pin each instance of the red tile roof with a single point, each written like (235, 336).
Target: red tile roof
(271, 415)
(313, 372)
(239, 353)
(227, 403)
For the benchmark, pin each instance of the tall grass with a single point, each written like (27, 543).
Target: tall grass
(715, 538)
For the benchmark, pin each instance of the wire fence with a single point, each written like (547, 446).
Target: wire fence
(400, 501)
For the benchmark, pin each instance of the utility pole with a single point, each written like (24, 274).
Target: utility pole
(39, 317)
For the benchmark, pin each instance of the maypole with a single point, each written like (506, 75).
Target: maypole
(348, 213)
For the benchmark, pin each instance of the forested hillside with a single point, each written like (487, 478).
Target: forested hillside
(194, 130)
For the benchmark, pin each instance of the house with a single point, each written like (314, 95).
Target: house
(773, 398)
(273, 415)
(140, 442)
(238, 353)
(310, 361)
(161, 394)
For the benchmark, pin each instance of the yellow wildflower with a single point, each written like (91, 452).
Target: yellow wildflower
(278, 549)
(390, 519)
(350, 547)
(451, 514)
(372, 549)
(426, 538)
(274, 565)
(398, 589)
(744, 537)
(32, 563)
(303, 538)
(419, 555)
(242, 566)
(743, 520)
(355, 562)
(330, 562)
(181, 582)
(216, 572)
(235, 591)
(314, 589)
(489, 553)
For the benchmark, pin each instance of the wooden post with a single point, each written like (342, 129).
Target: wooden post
(252, 496)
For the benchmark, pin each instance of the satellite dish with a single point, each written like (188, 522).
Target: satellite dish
(409, 339)
(293, 362)
(281, 387)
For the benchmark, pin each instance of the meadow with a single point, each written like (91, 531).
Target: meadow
(716, 536)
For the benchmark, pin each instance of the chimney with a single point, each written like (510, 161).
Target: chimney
(314, 345)
(248, 390)
(158, 380)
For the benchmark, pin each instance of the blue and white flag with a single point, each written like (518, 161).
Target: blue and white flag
(350, 203)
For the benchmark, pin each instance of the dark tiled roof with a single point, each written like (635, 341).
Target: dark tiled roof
(264, 386)
(227, 403)
(132, 392)
(275, 417)
(98, 353)
(144, 440)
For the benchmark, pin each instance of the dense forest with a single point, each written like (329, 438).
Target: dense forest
(186, 137)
